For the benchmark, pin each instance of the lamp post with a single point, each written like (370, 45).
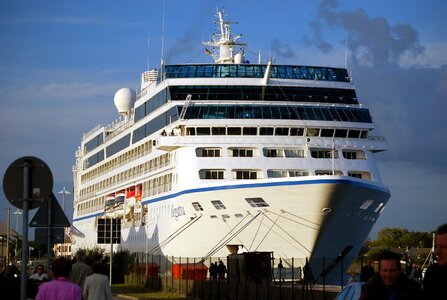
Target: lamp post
(64, 192)
(17, 213)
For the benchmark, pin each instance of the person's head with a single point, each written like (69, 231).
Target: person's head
(97, 267)
(80, 255)
(61, 267)
(39, 269)
(441, 244)
(389, 267)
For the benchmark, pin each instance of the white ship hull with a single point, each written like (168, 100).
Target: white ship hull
(312, 218)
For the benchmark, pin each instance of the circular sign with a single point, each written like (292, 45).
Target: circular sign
(39, 182)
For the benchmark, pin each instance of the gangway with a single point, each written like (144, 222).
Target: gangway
(185, 106)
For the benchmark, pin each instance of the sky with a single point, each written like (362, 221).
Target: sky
(61, 63)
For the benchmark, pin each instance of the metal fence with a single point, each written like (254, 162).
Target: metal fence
(295, 278)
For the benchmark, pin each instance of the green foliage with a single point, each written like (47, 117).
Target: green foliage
(94, 254)
(120, 265)
(401, 237)
(374, 253)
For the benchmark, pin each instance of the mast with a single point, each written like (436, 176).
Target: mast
(225, 43)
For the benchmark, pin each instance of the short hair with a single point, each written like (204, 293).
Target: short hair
(61, 267)
(390, 255)
(442, 229)
(80, 255)
(38, 266)
(97, 267)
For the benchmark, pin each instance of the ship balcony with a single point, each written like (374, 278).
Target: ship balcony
(168, 143)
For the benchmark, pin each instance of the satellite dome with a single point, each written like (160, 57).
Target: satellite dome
(124, 100)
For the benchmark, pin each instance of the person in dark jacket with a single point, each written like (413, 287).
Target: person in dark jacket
(435, 279)
(367, 271)
(389, 283)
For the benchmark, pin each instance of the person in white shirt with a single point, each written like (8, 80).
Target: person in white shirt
(96, 286)
(39, 273)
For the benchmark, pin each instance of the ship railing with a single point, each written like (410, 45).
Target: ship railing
(376, 138)
(117, 127)
(92, 131)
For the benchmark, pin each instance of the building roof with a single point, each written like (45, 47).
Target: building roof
(4, 231)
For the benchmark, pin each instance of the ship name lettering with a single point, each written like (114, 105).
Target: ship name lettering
(177, 212)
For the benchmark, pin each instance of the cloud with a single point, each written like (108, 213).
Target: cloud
(317, 39)
(373, 41)
(283, 51)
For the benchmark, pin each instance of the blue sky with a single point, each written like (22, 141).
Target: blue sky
(61, 63)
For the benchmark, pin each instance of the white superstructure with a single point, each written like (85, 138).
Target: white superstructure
(211, 158)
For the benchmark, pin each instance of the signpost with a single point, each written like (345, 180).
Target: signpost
(27, 183)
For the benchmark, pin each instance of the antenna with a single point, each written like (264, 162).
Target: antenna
(163, 35)
(346, 51)
(148, 52)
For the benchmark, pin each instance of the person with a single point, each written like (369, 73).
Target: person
(221, 270)
(435, 279)
(39, 273)
(280, 267)
(10, 272)
(367, 271)
(213, 271)
(390, 283)
(80, 269)
(60, 287)
(96, 286)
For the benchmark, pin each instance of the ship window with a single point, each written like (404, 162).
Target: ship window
(312, 131)
(218, 204)
(190, 131)
(197, 206)
(271, 152)
(238, 215)
(234, 131)
(208, 152)
(354, 154)
(341, 133)
(242, 152)
(296, 131)
(277, 173)
(328, 172)
(211, 174)
(256, 202)
(327, 132)
(298, 173)
(213, 217)
(281, 131)
(323, 153)
(355, 174)
(219, 131)
(294, 153)
(246, 174)
(361, 175)
(203, 131)
(250, 131)
(364, 134)
(354, 134)
(266, 131)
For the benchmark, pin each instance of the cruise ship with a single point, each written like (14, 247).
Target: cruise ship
(231, 156)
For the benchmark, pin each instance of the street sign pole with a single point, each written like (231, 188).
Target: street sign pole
(49, 236)
(27, 183)
(26, 194)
